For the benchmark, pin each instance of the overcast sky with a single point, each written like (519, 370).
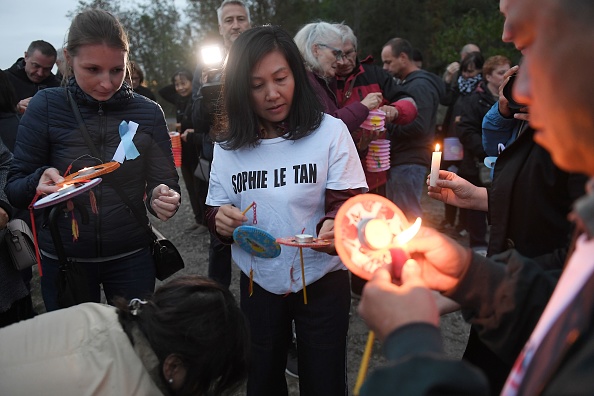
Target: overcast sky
(23, 21)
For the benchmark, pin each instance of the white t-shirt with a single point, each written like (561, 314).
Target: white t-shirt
(287, 179)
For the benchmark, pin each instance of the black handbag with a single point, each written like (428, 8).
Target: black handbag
(19, 244)
(202, 170)
(165, 255)
(72, 283)
(167, 259)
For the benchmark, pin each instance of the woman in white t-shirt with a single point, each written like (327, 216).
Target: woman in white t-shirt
(276, 148)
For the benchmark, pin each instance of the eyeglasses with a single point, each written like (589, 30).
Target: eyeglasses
(335, 51)
(349, 53)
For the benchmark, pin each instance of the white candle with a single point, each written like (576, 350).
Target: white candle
(435, 164)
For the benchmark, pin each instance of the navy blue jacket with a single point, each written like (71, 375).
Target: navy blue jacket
(49, 136)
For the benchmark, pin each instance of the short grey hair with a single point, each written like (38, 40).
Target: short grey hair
(311, 34)
(237, 2)
(347, 33)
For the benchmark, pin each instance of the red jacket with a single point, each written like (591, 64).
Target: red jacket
(368, 78)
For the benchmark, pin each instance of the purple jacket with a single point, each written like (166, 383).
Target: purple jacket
(352, 115)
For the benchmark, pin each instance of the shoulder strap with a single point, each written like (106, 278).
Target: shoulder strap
(85, 133)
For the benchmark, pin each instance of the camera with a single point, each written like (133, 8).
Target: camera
(211, 89)
(212, 58)
(513, 105)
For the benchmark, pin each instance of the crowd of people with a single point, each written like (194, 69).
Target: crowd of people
(280, 123)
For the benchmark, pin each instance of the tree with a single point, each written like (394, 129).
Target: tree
(160, 42)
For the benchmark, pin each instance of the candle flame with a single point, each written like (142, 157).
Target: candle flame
(65, 186)
(408, 234)
(437, 147)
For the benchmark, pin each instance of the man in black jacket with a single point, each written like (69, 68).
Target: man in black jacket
(33, 72)
(411, 145)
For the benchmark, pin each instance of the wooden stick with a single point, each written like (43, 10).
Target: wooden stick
(246, 209)
(364, 363)
(303, 276)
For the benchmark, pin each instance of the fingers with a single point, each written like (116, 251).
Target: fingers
(165, 202)
(523, 115)
(227, 219)
(411, 274)
(382, 275)
(510, 72)
(48, 180)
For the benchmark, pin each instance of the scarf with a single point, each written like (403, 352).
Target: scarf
(468, 85)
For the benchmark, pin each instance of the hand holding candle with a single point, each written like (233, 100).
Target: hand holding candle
(435, 165)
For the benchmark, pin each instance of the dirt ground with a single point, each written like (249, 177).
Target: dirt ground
(194, 249)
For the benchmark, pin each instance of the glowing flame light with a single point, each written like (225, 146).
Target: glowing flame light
(212, 55)
(376, 234)
(437, 147)
(409, 233)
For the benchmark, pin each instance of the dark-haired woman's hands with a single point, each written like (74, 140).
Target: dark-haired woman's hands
(327, 233)
(227, 219)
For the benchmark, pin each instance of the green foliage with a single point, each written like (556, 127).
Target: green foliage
(473, 27)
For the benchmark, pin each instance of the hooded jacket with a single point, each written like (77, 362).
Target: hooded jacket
(413, 143)
(49, 136)
(23, 87)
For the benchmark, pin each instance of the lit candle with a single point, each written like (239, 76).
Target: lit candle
(304, 238)
(435, 164)
(373, 235)
(66, 188)
(86, 171)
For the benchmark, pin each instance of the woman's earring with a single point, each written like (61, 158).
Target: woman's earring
(170, 380)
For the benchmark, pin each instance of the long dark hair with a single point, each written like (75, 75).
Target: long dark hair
(198, 320)
(239, 125)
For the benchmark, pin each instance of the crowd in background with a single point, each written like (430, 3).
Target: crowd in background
(272, 104)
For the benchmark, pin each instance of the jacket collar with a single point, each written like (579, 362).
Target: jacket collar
(124, 94)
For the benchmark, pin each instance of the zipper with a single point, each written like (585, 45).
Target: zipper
(98, 194)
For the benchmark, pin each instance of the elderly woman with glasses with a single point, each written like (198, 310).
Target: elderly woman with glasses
(320, 45)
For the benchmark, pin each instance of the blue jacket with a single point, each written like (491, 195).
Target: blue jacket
(49, 136)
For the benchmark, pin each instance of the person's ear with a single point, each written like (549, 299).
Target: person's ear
(315, 50)
(67, 57)
(174, 371)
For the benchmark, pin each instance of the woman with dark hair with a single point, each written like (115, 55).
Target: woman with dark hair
(189, 338)
(470, 76)
(276, 148)
(113, 248)
(179, 93)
